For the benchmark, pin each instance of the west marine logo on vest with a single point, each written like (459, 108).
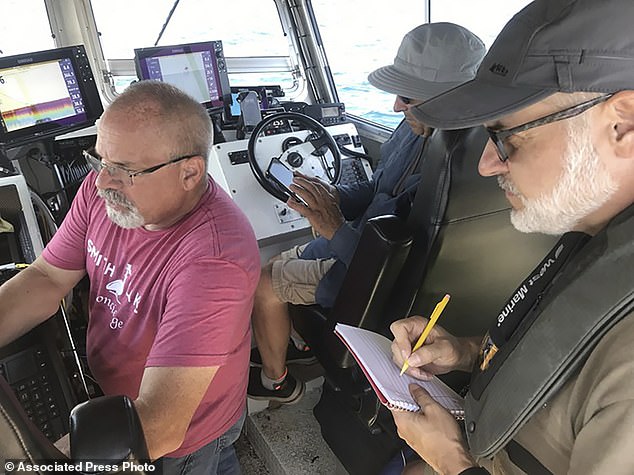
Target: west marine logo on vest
(117, 292)
(524, 289)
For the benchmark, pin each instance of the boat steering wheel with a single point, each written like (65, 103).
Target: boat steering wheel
(309, 156)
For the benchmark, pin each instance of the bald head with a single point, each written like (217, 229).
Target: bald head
(178, 119)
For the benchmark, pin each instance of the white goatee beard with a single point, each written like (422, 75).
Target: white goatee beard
(128, 219)
(584, 186)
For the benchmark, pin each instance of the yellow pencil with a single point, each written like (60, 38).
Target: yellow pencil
(440, 306)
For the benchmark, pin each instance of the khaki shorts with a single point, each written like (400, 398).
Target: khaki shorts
(295, 280)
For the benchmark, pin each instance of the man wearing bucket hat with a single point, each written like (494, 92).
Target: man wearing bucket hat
(432, 58)
(552, 388)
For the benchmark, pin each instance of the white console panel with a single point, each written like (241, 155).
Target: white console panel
(269, 216)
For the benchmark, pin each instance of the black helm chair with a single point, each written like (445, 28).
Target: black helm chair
(102, 429)
(457, 239)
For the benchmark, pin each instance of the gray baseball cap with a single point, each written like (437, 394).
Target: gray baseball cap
(432, 58)
(550, 46)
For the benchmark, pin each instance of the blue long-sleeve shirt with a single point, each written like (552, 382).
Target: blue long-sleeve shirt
(363, 201)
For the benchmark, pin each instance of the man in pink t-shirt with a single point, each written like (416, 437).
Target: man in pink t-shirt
(173, 266)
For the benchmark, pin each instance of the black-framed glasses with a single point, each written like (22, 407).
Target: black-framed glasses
(123, 174)
(405, 100)
(499, 137)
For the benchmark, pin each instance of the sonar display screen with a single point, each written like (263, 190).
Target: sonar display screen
(33, 94)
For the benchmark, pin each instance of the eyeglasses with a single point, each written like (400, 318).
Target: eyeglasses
(500, 136)
(405, 100)
(121, 173)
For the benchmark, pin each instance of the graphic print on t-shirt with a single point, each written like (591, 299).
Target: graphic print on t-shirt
(116, 291)
(116, 287)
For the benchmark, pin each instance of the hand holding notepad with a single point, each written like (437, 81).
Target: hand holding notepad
(374, 355)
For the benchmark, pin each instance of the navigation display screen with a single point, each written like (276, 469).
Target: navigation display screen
(198, 69)
(190, 72)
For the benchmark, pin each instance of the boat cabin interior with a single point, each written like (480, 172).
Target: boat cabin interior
(285, 84)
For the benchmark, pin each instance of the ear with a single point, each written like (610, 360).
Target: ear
(192, 172)
(623, 123)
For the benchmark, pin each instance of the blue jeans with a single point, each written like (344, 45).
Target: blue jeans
(216, 458)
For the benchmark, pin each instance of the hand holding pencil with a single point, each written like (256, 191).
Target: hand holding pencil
(440, 306)
(439, 354)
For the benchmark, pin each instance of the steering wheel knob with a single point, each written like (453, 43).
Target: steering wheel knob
(291, 141)
(294, 159)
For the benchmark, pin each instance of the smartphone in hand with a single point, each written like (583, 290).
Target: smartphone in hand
(283, 176)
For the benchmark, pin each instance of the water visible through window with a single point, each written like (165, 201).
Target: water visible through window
(485, 17)
(363, 35)
(357, 39)
(360, 36)
(24, 27)
(246, 27)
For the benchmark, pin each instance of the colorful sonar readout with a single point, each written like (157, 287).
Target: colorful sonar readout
(38, 93)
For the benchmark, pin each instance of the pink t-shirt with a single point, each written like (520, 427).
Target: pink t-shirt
(181, 296)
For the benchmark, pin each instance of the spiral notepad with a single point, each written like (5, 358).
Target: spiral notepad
(374, 355)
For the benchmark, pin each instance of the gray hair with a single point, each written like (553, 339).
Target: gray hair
(564, 100)
(175, 114)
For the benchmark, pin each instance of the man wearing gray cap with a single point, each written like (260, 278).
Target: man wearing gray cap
(552, 387)
(432, 58)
